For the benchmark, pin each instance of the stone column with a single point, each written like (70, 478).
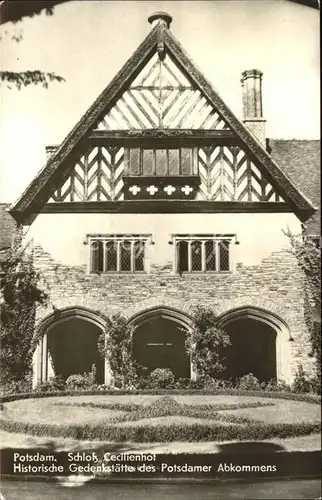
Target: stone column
(108, 375)
(36, 365)
(44, 356)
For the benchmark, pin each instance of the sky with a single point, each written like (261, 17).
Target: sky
(87, 42)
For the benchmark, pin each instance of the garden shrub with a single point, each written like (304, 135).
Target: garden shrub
(56, 383)
(79, 382)
(14, 386)
(161, 378)
(302, 383)
(276, 385)
(248, 383)
(213, 383)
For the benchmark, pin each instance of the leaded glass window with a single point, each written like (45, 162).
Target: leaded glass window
(117, 253)
(204, 253)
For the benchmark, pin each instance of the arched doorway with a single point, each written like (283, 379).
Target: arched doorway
(159, 341)
(68, 345)
(259, 344)
(72, 346)
(252, 350)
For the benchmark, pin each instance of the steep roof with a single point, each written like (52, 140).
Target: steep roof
(301, 161)
(160, 40)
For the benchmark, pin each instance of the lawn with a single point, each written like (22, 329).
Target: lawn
(153, 418)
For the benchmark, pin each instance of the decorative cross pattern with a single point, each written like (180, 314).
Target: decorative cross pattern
(169, 189)
(186, 190)
(162, 97)
(134, 190)
(152, 190)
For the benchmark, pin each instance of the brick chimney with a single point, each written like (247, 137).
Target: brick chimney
(253, 103)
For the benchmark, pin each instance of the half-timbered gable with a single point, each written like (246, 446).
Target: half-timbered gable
(160, 131)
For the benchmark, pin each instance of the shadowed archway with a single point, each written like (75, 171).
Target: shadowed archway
(259, 344)
(68, 344)
(159, 340)
(72, 346)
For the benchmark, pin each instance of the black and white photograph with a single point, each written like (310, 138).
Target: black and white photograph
(160, 302)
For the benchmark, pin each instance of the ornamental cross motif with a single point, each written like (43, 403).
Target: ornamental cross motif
(169, 189)
(186, 189)
(135, 190)
(152, 189)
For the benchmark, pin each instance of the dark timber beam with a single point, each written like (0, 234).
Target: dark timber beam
(161, 136)
(164, 206)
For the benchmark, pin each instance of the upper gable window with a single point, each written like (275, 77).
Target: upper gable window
(161, 162)
(117, 253)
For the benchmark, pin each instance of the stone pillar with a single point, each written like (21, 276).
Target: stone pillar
(193, 372)
(108, 375)
(36, 365)
(283, 358)
(253, 103)
(44, 356)
(50, 365)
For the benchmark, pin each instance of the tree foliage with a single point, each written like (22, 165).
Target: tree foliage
(20, 294)
(15, 11)
(25, 78)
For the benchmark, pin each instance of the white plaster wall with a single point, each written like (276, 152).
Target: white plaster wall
(62, 235)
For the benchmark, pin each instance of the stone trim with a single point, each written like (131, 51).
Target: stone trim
(61, 315)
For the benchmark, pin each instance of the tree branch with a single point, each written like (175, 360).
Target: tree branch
(14, 10)
(26, 78)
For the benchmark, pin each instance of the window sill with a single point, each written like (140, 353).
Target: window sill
(202, 273)
(118, 273)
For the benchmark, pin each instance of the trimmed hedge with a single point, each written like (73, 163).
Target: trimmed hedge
(168, 406)
(309, 398)
(131, 407)
(161, 433)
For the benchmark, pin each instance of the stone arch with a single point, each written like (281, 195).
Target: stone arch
(167, 302)
(166, 312)
(61, 315)
(85, 322)
(258, 303)
(276, 323)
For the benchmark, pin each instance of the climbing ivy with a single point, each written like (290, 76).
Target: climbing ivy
(115, 344)
(20, 294)
(206, 344)
(309, 260)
